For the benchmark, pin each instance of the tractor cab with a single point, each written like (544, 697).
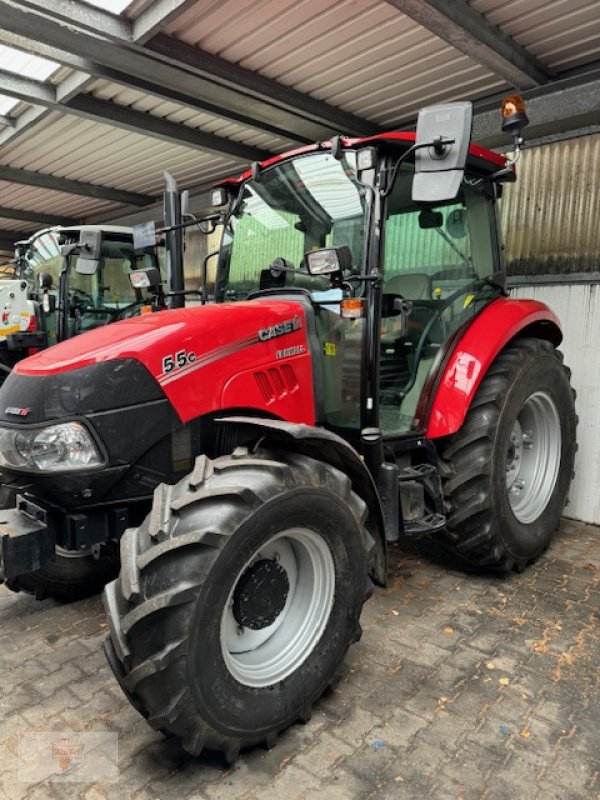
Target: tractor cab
(395, 259)
(81, 276)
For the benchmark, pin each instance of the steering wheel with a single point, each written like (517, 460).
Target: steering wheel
(81, 297)
(440, 306)
(126, 312)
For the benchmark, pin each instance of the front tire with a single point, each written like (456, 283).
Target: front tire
(238, 598)
(70, 576)
(507, 471)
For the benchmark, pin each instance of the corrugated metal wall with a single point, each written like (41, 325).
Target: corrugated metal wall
(551, 216)
(551, 222)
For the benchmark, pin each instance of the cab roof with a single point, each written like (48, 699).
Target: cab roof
(480, 158)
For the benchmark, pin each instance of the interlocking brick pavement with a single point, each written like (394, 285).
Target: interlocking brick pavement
(463, 687)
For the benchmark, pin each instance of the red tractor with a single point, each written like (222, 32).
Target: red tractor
(360, 376)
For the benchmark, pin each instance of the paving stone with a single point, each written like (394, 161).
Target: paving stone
(417, 712)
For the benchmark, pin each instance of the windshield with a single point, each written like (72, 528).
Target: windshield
(310, 202)
(97, 299)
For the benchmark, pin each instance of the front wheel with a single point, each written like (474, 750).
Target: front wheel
(70, 576)
(507, 471)
(238, 598)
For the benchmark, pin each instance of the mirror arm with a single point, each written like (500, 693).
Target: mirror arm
(210, 218)
(438, 144)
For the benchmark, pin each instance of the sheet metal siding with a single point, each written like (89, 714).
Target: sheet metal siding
(550, 216)
(578, 308)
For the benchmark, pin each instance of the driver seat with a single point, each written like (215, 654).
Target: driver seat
(396, 358)
(411, 285)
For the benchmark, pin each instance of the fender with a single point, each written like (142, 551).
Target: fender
(324, 445)
(473, 354)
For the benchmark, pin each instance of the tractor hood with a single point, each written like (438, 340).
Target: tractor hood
(189, 355)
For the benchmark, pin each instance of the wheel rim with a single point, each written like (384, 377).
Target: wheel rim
(262, 648)
(533, 457)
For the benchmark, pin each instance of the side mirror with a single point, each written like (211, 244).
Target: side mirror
(49, 304)
(185, 203)
(219, 196)
(45, 280)
(86, 266)
(366, 159)
(90, 242)
(443, 138)
(145, 278)
(90, 249)
(144, 235)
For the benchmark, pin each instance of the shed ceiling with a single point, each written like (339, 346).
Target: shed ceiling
(90, 97)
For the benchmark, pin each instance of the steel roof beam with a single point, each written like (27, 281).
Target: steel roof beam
(79, 81)
(156, 16)
(95, 19)
(270, 107)
(470, 32)
(139, 122)
(23, 123)
(206, 64)
(58, 184)
(567, 105)
(43, 94)
(35, 216)
(8, 238)
(82, 15)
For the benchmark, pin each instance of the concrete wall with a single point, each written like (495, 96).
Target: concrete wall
(578, 308)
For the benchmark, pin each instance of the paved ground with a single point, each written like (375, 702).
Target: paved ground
(462, 687)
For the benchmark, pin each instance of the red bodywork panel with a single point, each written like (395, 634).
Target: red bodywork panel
(224, 356)
(472, 356)
(479, 157)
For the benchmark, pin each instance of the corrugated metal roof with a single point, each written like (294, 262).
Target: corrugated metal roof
(49, 201)
(362, 56)
(184, 115)
(87, 151)
(561, 33)
(365, 57)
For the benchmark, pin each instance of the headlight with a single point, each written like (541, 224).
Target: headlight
(55, 448)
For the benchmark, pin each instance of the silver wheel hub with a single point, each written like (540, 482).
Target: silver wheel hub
(278, 608)
(533, 457)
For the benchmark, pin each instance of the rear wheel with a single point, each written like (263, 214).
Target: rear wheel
(238, 598)
(506, 472)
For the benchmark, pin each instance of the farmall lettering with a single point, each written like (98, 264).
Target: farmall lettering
(280, 329)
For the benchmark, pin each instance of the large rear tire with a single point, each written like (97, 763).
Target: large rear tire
(506, 472)
(238, 598)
